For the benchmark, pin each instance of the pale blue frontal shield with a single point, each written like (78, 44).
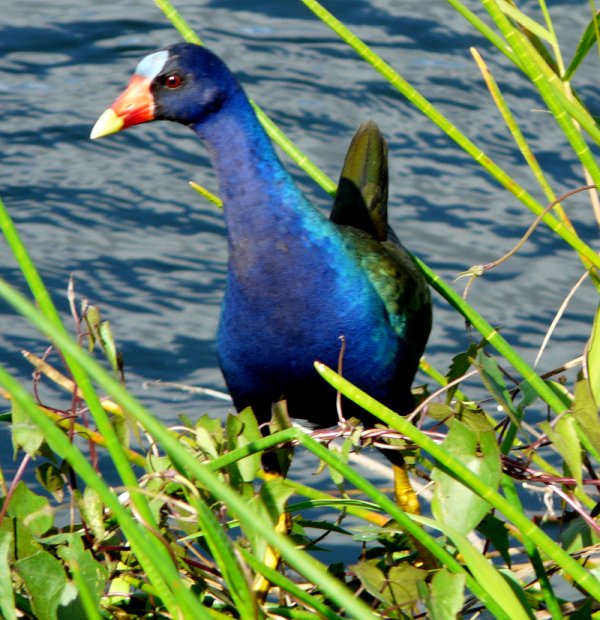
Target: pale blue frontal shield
(151, 66)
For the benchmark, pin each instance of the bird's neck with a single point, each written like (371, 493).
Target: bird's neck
(257, 191)
(270, 225)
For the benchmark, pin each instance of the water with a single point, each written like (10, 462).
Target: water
(119, 216)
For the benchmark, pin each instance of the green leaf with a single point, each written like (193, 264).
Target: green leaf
(49, 476)
(31, 510)
(462, 362)
(566, 442)
(343, 452)
(452, 503)
(399, 588)
(273, 496)
(439, 411)
(593, 359)
(459, 366)
(270, 502)
(86, 570)
(25, 434)
(227, 561)
(40, 521)
(570, 448)
(529, 394)
(108, 344)
(587, 41)
(446, 596)
(91, 315)
(205, 441)
(280, 420)
(585, 411)
(404, 582)
(494, 382)
(92, 512)
(45, 581)
(118, 590)
(24, 543)
(529, 599)
(475, 419)
(100, 331)
(496, 531)
(584, 612)
(122, 426)
(242, 429)
(71, 603)
(7, 598)
(578, 535)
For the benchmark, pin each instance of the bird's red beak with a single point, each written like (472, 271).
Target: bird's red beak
(134, 106)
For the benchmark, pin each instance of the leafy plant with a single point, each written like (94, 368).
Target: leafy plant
(186, 532)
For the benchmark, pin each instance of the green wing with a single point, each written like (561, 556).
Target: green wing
(360, 210)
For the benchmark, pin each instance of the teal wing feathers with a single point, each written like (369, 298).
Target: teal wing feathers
(360, 211)
(398, 282)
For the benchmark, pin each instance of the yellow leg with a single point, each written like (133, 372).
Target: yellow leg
(407, 499)
(404, 494)
(275, 465)
(272, 558)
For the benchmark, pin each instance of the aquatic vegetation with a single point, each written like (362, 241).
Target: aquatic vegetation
(185, 532)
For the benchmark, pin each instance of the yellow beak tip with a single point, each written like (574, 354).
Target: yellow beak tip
(108, 123)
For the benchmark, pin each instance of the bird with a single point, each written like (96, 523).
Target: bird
(300, 286)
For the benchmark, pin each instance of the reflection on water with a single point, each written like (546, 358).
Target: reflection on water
(119, 215)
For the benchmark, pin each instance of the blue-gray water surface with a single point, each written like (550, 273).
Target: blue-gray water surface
(118, 213)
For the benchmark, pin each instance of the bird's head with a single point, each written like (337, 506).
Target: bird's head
(185, 83)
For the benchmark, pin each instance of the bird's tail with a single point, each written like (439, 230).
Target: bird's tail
(362, 194)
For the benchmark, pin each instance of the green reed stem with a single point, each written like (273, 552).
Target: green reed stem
(427, 108)
(516, 133)
(561, 105)
(47, 307)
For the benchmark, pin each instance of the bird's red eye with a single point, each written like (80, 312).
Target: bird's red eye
(173, 81)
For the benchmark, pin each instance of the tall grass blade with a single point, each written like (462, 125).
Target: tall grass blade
(527, 22)
(552, 90)
(589, 38)
(426, 107)
(533, 553)
(81, 378)
(151, 554)
(455, 468)
(179, 23)
(518, 136)
(281, 581)
(300, 561)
